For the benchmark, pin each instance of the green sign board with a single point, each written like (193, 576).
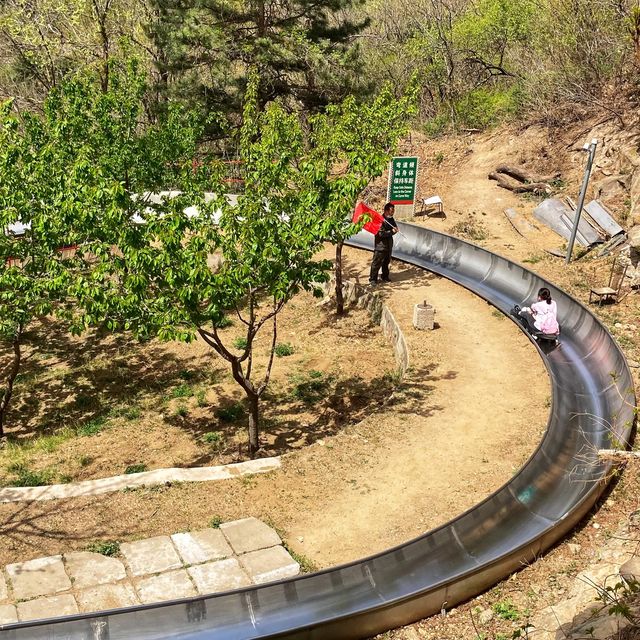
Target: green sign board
(403, 176)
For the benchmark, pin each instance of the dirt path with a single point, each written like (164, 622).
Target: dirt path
(456, 432)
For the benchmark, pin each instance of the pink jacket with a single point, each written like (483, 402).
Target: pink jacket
(545, 316)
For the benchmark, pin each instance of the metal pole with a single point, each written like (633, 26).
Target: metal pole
(591, 148)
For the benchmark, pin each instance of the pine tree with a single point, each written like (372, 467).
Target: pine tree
(302, 49)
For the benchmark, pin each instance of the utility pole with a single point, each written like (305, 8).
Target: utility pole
(590, 148)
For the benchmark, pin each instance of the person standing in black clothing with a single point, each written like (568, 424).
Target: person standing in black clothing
(383, 245)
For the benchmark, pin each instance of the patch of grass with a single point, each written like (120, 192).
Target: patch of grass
(201, 398)
(438, 158)
(283, 349)
(26, 477)
(240, 343)
(108, 548)
(506, 610)
(136, 468)
(182, 411)
(534, 259)
(215, 522)
(310, 387)
(231, 413)
(393, 377)
(214, 438)
(306, 564)
(182, 391)
(92, 427)
(185, 374)
(50, 443)
(127, 412)
(470, 228)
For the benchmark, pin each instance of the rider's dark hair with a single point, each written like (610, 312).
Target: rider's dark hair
(389, 207)
(545, 294)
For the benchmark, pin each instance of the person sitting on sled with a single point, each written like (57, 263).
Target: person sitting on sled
(542, 316)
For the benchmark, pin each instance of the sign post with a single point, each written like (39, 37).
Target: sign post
(401, 192)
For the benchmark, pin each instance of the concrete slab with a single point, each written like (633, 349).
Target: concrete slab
(249, 534)
(90, 569)
(166, 586)
(153, 555)
(4, 594)
(39, 577)
(106, 596)
(8, 614)
(202, 546)
(51, 607)
(222, 575)
(266, 565)
(145, 478)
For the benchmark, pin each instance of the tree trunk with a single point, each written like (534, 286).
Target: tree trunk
(11, 378)
(339, 296)
(518, 187)
(254, 424)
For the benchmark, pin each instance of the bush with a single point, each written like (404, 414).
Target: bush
(484, 107)
(214, 438)
(215, 522)
(283, 349)
(240, 343)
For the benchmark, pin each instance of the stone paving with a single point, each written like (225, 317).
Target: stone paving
(238, 554)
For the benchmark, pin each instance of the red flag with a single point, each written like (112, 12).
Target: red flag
(374, 218)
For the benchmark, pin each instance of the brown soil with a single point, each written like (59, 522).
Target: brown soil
(470, 411)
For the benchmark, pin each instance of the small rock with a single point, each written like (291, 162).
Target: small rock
(574, 548)
(618, 325)
(630, 570)
(300, 539)
(634, 518)
(485, 616)
(596, 525)
(633, 364)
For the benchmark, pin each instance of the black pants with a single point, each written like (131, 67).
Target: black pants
(528, 321)
(380, 259)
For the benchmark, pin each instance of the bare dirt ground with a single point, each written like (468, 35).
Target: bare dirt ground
(432, 445)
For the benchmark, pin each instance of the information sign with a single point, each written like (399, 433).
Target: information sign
(403, 176)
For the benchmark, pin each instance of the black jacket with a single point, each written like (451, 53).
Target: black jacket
(384, 237)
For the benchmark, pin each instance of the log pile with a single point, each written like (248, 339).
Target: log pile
(519, 181)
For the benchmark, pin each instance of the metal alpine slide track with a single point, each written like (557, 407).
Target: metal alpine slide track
(592, 401)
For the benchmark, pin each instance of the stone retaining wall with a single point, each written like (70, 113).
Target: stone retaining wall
(358, 296)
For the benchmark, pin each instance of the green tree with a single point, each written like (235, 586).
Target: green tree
(351, 144)
(303, 50)
(72, 176)
(42, 191)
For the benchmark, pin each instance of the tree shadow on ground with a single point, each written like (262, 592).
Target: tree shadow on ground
(344, 403)
(81, 379)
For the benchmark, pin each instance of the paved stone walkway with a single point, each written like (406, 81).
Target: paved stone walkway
(238, 554)
(145, 478)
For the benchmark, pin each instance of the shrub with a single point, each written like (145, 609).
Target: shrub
(213, 437)
(283, 349)
(240, 343)
(215, 522)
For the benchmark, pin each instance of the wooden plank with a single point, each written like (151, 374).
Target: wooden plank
(522, 226)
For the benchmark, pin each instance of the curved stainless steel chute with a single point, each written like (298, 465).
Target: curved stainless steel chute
(591, 408)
